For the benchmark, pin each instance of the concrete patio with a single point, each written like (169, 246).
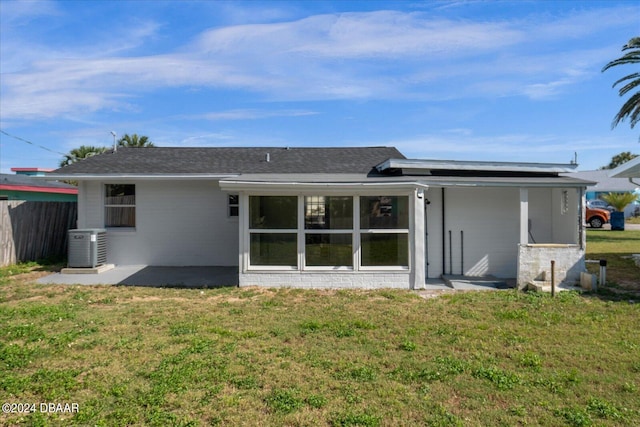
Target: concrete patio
(217, 277)
(144, 275)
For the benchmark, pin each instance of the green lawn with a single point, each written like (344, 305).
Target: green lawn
(616, 247)
(163, 357)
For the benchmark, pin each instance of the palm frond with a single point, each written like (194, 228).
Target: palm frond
(630, 109)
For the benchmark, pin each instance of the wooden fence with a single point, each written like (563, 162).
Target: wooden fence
(30, 231)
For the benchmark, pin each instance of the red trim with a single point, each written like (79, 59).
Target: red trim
(31, 169)
(38, 189)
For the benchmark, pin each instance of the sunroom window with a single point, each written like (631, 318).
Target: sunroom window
(323, 231)
(328, 223)
(384, 231)
(273, 228)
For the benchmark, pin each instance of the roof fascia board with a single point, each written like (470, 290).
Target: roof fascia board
(136, 177)
(427, 165)
(507, 184)
(239, 185)
(630, 169)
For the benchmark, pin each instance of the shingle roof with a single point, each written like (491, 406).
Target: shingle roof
(604, 182)
(7, 180)
(232, 160)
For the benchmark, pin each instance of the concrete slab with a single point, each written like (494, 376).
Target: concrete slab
(469, 283)
(87, 270)
(436, 285)
(143, 275)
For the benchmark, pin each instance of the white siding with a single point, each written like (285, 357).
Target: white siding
(92, 196)
(489, 220)
(566, 221)
(540, 214)
(180, 223)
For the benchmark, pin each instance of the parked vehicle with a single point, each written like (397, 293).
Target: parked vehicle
(596, 218)
(600, 204)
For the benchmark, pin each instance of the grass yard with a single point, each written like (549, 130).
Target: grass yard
(170, 357)
(616, 247)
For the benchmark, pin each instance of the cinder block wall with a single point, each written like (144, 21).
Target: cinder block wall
(534, 263)
(327, 280)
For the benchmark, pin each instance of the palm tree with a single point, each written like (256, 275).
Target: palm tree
(619, 200)
(631, 108)
(134, 141)
(80, 153)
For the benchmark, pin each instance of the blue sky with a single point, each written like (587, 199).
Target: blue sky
(462, 80)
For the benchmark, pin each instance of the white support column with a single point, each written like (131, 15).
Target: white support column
(524, 216)
(243, 233)
(417, 241)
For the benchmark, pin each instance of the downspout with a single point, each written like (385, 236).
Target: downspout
(426, 240)
(444, 239)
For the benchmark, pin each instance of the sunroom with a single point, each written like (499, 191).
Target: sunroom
(312, 234)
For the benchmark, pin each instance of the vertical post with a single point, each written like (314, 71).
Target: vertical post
(553, 278)
(461, 253)
(524, 216)
(450, 254)
(603, 272)
(418, 243)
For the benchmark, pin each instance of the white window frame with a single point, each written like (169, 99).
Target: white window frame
(105, 206)
(251, 231)
(304, 231)
(233, 205)
(301, 233)
(385, 231)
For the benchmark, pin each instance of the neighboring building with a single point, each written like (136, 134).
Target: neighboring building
(31, 171)
(363, 217)
(23, 186)
(605, 183)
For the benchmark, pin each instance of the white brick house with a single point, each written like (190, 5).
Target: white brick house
(331, 217)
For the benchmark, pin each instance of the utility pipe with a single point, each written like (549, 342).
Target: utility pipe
(461, 252)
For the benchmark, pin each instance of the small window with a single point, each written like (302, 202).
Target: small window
(233, 205)
(120, 205)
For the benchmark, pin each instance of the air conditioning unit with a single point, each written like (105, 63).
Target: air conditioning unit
(87, 248)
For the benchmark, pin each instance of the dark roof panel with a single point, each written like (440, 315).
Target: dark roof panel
(25, 180)
(210, 160)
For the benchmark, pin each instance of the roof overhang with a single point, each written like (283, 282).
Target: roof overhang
(630, 169)
(315, 182)
(239, 182)
(426, 166)
(357, 182)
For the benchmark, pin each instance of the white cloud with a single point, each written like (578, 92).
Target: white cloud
(252, 114)
(368, 55)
